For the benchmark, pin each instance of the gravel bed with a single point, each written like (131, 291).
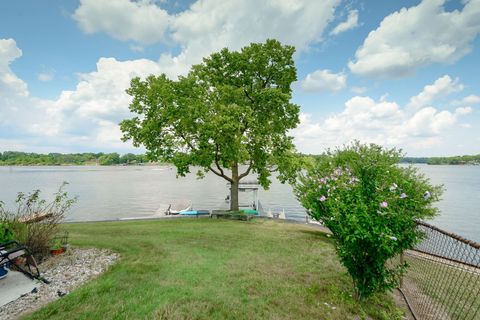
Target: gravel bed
(65, 273)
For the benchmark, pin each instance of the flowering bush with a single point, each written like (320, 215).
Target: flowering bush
(370, 204)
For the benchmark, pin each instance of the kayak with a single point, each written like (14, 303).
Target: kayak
(195, 212)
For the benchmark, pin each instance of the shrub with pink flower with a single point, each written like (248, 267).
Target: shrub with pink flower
(370, 204)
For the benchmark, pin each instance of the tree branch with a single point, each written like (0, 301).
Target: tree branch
(189, 144)
(246, 173)
(248, 96)
(216, 160)
(220, 174)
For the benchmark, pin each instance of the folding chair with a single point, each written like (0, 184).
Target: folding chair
(11, 251)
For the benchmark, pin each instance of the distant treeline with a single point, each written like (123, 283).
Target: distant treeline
(12, 158)
(414, 160)
(456, 160)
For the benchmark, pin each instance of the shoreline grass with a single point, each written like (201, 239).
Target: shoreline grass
(214, 269)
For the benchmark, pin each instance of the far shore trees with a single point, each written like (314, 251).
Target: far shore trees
(230, 115)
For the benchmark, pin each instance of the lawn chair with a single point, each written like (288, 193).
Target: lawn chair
(11, 252)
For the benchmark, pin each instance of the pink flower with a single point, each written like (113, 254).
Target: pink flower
(323, 198)
(384, 204)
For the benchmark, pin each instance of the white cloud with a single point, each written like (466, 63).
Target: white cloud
(468, 101)
(442, 87)
(20, 114)
(350, 23)
(382, 122)
(324, 80)
(141, 21)
(10, 84)
(102, 92)
(416, 37)
(13, 91)
(99, 98)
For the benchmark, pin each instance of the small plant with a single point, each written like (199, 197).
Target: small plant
(57, 244)
(371, 206)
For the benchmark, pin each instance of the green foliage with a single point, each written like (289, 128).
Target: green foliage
(11, 158)
(233, 109)
(370, 204)
(6, 233)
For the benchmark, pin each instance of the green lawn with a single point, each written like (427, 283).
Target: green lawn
(214, 269)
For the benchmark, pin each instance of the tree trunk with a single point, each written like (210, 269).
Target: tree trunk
(234, 188)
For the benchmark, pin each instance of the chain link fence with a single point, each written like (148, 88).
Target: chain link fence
(443, 279)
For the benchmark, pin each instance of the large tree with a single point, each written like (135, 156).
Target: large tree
(230, 115)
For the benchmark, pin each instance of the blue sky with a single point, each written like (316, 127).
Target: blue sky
(397, 73)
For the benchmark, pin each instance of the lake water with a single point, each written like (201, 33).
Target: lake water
(121, 192)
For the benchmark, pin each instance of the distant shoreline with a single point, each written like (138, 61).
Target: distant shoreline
(86, 164)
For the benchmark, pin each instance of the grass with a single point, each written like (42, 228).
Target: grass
(214, 269)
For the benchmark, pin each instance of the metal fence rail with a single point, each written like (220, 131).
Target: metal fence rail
(443, 279)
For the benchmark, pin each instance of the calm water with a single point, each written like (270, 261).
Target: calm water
(120, 192)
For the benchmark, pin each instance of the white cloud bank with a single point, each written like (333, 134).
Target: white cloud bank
(87, 117)
(382, 122)
(416, 37)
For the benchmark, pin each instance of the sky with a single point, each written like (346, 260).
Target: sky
(402, 74)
